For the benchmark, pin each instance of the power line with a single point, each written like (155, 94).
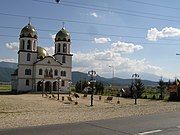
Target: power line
(73, 21)
(120, 11)
(93, 41)
(113, 8)
(155, 5)
(88, 33)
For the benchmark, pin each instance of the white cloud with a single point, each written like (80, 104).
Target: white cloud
(50, 50)
(13, 46)
(125, 47)
(53, 36)
(153, 34)
(102, 40)
(100, 61)
(94, 14)
(8, 60)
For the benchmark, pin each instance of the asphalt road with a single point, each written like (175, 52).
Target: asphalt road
(156, 124)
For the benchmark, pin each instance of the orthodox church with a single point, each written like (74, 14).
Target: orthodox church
(37, 70)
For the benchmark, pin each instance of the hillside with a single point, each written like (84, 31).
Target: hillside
(76, 76)
(7, 68)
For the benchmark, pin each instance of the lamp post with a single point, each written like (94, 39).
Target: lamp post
(135, 78)
(59, 79)
(42, 85)
(69, 87)
(92, 74)
(112, 67)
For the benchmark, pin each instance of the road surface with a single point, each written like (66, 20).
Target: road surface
(156, 124)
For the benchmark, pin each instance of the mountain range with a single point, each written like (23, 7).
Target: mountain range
(7, 68)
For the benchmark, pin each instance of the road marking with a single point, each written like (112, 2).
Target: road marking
(178, 126)
(149, 132)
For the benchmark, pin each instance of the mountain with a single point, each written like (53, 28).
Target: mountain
(5, 74)
(8, 65)
(77, 76)
(7, 68)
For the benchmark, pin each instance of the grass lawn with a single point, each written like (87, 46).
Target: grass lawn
(5, 87)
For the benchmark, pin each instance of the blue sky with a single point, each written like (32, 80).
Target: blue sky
(143, 36)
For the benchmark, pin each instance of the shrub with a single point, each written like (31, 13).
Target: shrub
(166, 98)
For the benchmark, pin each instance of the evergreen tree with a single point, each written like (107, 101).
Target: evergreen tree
(161, 87)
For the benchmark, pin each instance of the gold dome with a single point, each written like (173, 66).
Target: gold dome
(63, 35)
(41, 52)
(28, 31)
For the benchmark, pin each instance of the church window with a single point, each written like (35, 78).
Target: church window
(22, 46)
(63, 73)
(46, 73)
(64, 48)
(59, 48)
(51, 73)
(62, 83)
(27, 82)
(40, 71)
(27, 71)
(63, 59)
(29, 45)
(28, 57)
(56, 72)
(34, 45)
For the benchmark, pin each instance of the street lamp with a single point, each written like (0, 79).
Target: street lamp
(135, 78)
(59, 79)
(42, 85)
(69, 87)
(92, 81)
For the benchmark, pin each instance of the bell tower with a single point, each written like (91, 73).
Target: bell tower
(63, 54)
(27, 55)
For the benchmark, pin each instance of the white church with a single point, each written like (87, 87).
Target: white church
(37, 70)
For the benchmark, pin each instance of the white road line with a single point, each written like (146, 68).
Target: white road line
(149, 132)
(178, 126)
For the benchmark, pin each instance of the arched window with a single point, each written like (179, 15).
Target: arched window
(34, 45)
(64, 48)
(27, 82)
(63, 73)
(28, 56)
(27, 71)
(22, 44)
(29, 45)
(63, 59)
(62, 83)
(56, 72)
(46, 72)
(58, 47)
(51, 73)
(40, 71)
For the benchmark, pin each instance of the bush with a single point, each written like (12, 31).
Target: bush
(166, 98)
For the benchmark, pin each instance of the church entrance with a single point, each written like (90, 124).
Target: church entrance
(48, 86)
(39, 86)
(55, 86)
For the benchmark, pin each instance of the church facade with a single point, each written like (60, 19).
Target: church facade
(37, 71)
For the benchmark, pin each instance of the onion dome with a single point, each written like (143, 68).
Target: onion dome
(28, 31)
(41, 52)
(62, 35)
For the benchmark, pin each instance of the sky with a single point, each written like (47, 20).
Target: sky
(127, 36)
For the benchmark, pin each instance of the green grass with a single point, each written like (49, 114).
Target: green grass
(5, 87)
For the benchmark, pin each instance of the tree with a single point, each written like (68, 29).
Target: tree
(80, 85)
(139, 87)
(161, 87)
(99, 88)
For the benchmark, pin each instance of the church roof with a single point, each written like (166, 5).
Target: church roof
(63, 35)
(28, 31)
(59, 63)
